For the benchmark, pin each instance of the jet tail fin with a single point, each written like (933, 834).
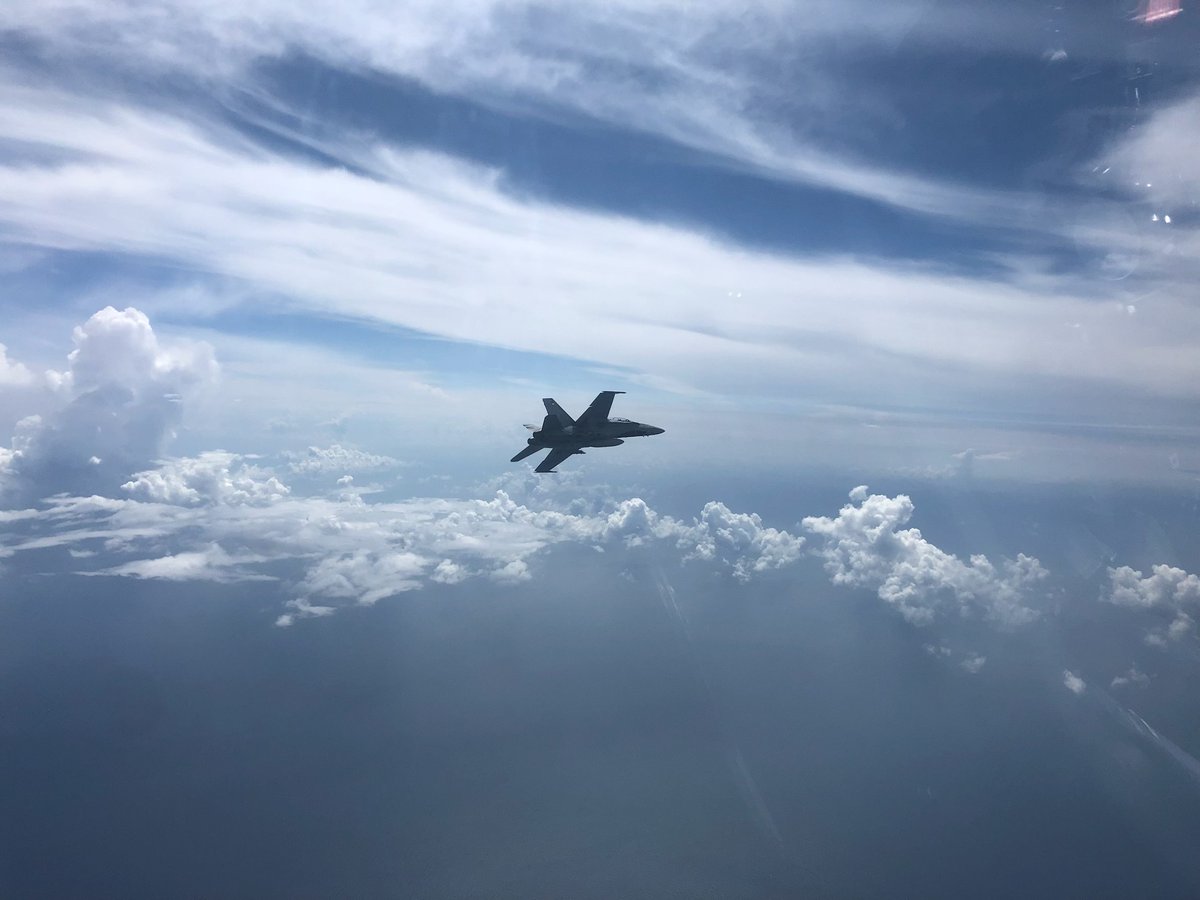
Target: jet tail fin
(558, 412)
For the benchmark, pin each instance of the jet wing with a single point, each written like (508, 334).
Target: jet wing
(597, 413)
(554, 457)
(528, 451)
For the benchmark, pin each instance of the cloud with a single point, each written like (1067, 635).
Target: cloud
(478, 263)
(513, 572)
(710, 80)
(969, 457)
(336, 459)
(365, 576)
(1178, 628)
(449, 572)
(1166, 586)
(740, 542)
(864, 546)
(304, 610)
(183, 520)
(211, 564)
(973, 663)
(112, 409)
(1073, 682)
(12, 373)
(214, 476)
(1132, 677)
(1156, 161)
(1166, 589)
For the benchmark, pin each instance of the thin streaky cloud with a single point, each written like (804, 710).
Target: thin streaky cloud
(439, 246)
(706, 79)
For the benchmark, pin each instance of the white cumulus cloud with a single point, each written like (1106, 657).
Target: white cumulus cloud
(1166, 589)
(214, 476)
(865, 545)
(11, 372)
(1073, 682)
(740, 542)
(365, 576)
(111, 410)
(1165, 586)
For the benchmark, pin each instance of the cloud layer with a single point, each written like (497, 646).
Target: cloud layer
(709, 80)
(429, 242)
(220, 517)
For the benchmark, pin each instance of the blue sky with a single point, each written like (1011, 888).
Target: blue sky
(911, 289)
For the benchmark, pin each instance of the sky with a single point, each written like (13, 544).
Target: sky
(904, 601)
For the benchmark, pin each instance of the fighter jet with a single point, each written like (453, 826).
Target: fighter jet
(566, 436)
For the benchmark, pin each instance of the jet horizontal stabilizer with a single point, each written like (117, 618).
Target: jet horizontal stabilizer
(553, 409)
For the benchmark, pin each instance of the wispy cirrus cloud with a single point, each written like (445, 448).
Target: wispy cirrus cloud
(761, 85)
(433, 244)
(211, 563)
(800, 96)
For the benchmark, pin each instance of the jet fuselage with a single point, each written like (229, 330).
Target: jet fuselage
(605, 434)
(564, 436)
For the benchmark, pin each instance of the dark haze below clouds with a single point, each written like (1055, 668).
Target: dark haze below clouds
(568, 737)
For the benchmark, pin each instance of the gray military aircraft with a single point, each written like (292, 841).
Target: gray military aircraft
(565, 436)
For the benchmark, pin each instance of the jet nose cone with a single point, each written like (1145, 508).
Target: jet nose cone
(650, 429)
